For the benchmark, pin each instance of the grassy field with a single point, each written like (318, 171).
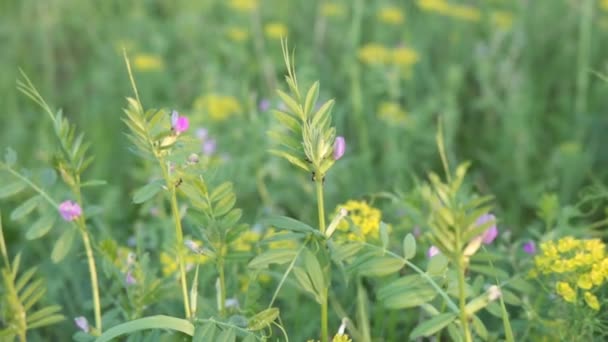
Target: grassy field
(517, 88)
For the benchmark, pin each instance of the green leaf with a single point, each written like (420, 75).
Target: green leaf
(250, 338)
(25, 208)
(384, 234)
(227, 335)
(489, 271)
(10, 157)
(273, 256)
(406, 292)
(343, 251)
(380, 266)
(314, 271)
(311, 97)
(232, 217)
(263, 319)
(304, 281)
(438, 264)
(62, 246)
(292, 159)
(221, 191)
(205, 332)
(224, 205)
(49, 310)
(48, 320)
(288, 223)
(41, 227)
(147, 191)
(152, 322)
(433, 325)
(409, 246)
(480, 328)
(287, 120)
(11, 189)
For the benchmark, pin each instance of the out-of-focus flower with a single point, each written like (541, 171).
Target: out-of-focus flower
(592, 301)
(374, 53)
(246, 241)
(433, 250)
(130, 279)
(193, 158)
(392, 113)
(365, 218)
(339, 147)
(82, 323)
(391, 15)
(565, 291)
(462, 12)
(492, 232)
(179, 123)
(69, 210)
(502, 20)
(148, 62)
(243, 5)
(604, 5)
(529, 247)
(439, 6)
(264, 105)
(237, 34)
(209, 147)
(332, 9)
(217, 107)
(404, 56)
(202, 133)
(275, 30)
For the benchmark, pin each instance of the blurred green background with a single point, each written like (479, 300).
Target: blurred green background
(517, 84)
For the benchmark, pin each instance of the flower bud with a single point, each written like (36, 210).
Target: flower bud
(339, 147)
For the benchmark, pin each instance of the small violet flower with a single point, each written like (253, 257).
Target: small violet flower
(209, 147)
(264, 105)
(202, 133)
(339, 147)
(82, 323)
(530, 247)
(70, 210)
(179, 123)
(432, 251)
(129, 279)
(491, 233)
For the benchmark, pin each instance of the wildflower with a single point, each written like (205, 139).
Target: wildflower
(193, 246)
(246, 241)
(275, 30)
(264, 105)
(565, 291)
(339, 147)
(179, 123)
(129, 279)
(373, 53)
(202, 133)
(439, 6)
(341, 336)
(392, 113)
(193, 158)
(503, 20)
(82, 323)
(148, 62)
(243, 5)
(331, 9)
(217, 107)
(492, 232)
(584, 281)
(592, 301)
(494, 293)
(209, 147)
(391, 15)
(404, 56)
(529, 247)
(237, 34)
(604, 5)
(69, 210)
(433, 250)
(464, 12)
(365, 218)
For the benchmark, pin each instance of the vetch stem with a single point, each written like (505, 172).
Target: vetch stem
(220, 267)
(462, 301)
(321, 212)
(179, 240)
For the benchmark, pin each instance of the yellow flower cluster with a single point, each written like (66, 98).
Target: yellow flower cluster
(391, 15)
(578, 264)
(332, 9)
(275, 30)
(237, 34)
(245, 241)
(170, 264)
(503, 20)
(374, 53)
(337, 338)
(243, 5)
(392, 113)
(217, 107)
(365, 217)
(148, 62)
(604, 5)
(463, 12)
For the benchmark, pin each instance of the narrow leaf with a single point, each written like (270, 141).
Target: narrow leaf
(433, 325)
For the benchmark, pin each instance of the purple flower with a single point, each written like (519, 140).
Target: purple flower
(129, 279)
(264, 105)
(491, 233)
(202, 133)
(70, 210)
(529, 247)
(82, 323)
(432, 251)
(339, 147)
(179, 123)
(209, 147)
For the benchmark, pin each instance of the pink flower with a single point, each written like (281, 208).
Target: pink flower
(82, 323)
(339, 147)
(529, 247)
(129, 279)
(432, 251)
(492, 232)
(70, 210)
(179, 123)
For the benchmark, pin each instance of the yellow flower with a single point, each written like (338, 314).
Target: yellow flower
(147, 62)
(373, 53)
(503, 20)
(604, 5)
(169, 263)
(405, 57)
(243, 5)
(275, 30)
(567, 244)
(390, 15)
(332, 9)
(246, 241)
(584, 281)
(341, 338)
(217, 107)
(592, 301)
(464, 12)
(237, 34)
(392, 113)
(439, 6)
(565, 291)
(365, 217)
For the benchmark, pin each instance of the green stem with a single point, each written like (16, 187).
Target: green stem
(462, 301)
(582, 72)
(321, 212)
(179, 240)
(220, 267)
